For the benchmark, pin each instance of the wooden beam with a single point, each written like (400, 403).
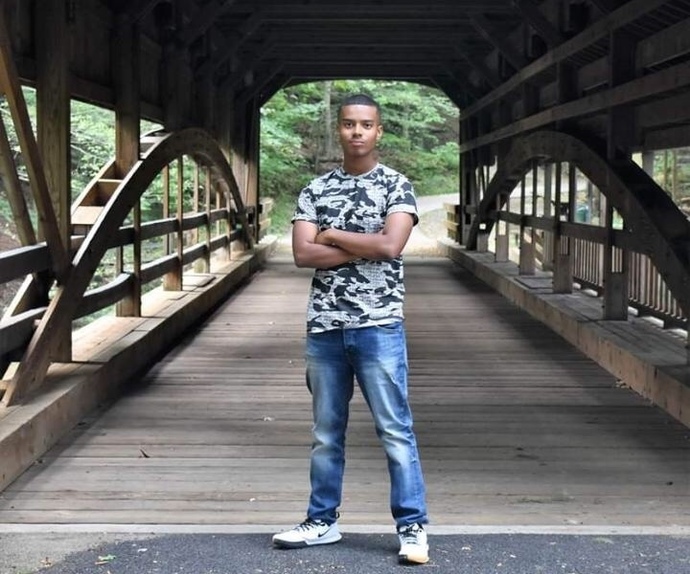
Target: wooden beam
(621, 119)
(606, 6)
(10, 86)
(479, 66)
(462, 84)
(488, 32)
(667, 44)
(629, 12)
(203, 20)
(13, 188)
(235, 77)
(543, 26)
(53, 124)
(126, 57)
(244, 30)
(652, 85)
(255, 91)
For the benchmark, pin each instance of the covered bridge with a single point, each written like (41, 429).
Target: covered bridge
(564, 105)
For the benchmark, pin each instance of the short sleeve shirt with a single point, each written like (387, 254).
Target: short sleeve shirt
(363, 292)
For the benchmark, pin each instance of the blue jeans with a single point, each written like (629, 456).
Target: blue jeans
(377, 358)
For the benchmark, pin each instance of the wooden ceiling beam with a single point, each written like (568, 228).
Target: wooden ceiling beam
(248, 65)
(629, 12)
(477, 64)
(542, 25)
(203, 20)
(667, 81)
(461, 83)
(372, 10)
(241, 35)
(260, 86)
(606, 6)
(489, 33)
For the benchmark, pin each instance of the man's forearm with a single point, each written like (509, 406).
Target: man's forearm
(373, 246)
(320, 256)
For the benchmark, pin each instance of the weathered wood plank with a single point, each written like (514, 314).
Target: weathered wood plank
(515, 426)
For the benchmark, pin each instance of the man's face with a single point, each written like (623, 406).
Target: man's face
(359, 130)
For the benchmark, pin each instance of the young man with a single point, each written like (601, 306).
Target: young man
(351, 225)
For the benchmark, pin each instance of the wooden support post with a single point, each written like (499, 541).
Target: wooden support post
(207, 203)
(13, 188)
(465, 220)
(126, 58)
(11, 88)
(54, 124)
(166, 205)
(206, 101)
(252, 195)
(527, 255)
(562, 261)
(616, 264)
(620, 137)
(547, 258)
(502, 237)
(173, 281)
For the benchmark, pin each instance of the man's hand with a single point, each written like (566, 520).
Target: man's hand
(324, 237)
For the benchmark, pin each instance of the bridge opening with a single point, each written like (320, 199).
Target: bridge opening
(299, 139)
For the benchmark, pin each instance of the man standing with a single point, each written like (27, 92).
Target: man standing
(351, 226)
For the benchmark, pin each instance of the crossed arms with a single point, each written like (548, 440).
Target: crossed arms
(332, 247)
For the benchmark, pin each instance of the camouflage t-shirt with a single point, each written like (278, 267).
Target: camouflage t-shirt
(361, 293)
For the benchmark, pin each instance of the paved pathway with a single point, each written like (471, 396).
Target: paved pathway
(355, 554)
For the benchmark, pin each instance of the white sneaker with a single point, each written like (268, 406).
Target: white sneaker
(414, 548)
(308, 533)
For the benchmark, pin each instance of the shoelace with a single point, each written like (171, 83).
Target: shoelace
(409, 533)
(309, 525)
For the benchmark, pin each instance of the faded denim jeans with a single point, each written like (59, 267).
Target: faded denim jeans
(377, 358)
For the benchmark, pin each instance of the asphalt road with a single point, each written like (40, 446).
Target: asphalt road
(357, 553)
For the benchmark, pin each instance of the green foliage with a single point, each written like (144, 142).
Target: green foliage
(92, 142)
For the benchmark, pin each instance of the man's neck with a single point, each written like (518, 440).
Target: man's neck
(359, 166)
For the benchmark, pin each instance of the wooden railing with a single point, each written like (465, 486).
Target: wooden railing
(204, 223)
(648, 293)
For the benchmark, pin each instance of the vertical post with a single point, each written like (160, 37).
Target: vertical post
(53, 123)
(173, 281)
(127, 79)
(207, 202)
(620, 135)
(526, 261)
(547, 259)
(562, 263)
(502, 235)
(252, 197)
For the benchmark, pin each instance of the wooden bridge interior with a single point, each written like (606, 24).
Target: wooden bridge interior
(548, 336)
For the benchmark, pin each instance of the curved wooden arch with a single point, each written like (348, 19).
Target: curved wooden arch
(192, 142)
(659, 228)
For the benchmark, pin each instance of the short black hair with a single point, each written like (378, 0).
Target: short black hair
(359, 100)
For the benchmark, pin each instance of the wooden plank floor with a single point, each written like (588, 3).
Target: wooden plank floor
(515, 426)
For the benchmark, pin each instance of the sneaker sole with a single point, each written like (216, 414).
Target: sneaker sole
(413, 558)
(305, 543)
